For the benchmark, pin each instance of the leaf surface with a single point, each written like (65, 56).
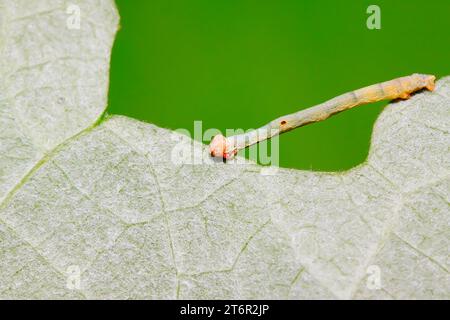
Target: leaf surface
(110, 199)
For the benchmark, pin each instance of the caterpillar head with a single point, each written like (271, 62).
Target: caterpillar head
(222, 147)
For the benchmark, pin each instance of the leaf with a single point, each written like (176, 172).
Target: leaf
(111, 202)
(54, 79)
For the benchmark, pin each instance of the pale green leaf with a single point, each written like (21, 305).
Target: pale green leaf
(113, 201)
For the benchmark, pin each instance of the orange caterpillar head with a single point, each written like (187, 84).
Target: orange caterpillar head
(222, 147)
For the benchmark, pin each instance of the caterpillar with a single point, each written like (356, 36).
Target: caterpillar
(399, 88)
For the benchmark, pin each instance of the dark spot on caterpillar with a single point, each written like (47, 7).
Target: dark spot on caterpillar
(283, 123)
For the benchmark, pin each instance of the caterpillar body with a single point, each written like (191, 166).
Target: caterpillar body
(399, 88)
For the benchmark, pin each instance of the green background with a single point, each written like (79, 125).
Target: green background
(240, 64)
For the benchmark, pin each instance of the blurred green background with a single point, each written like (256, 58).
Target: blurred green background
(241, 63)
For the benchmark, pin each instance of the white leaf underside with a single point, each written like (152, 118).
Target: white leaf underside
(106, 197)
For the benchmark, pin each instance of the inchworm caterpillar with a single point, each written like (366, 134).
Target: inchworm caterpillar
(400, 88)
